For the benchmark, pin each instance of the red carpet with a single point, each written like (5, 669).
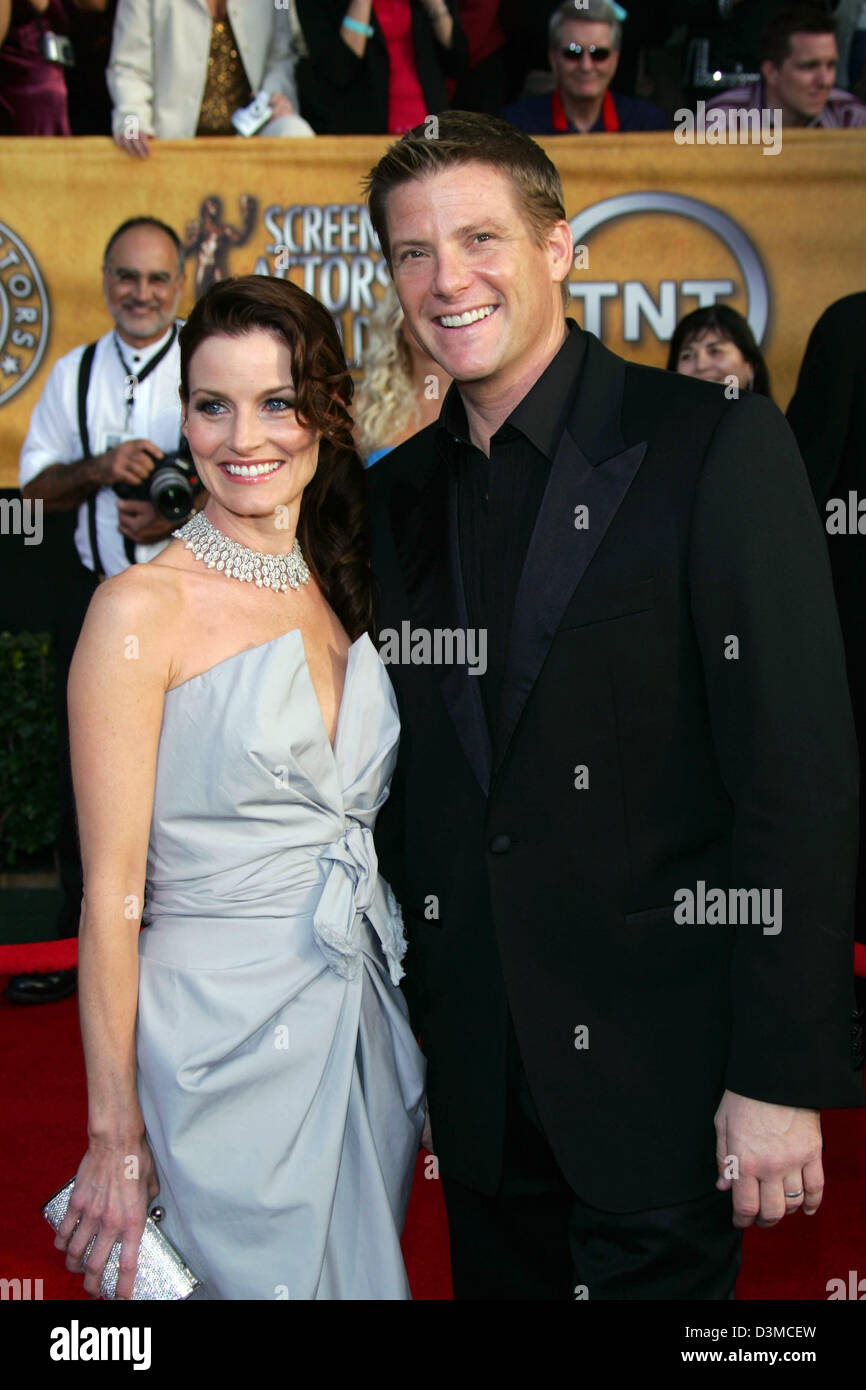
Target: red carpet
(42, 1100)
(42, 956)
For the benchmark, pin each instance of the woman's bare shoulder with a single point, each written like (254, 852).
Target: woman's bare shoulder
(139, 608)
(143, 591)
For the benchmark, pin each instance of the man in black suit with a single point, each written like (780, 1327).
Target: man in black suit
(624, 833)
(828, 417)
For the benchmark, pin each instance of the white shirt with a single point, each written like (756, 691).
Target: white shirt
(53, 436)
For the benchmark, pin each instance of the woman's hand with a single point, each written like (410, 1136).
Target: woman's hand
(114, 1186)
(116, 691)
(281, 105)
(427, 1136)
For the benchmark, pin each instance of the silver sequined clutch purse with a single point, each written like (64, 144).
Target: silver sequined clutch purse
(161, 1272)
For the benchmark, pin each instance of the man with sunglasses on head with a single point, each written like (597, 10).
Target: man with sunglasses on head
(585, 43)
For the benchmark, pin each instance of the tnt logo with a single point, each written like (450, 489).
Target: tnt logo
(701, 254)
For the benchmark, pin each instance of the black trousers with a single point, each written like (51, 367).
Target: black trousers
(536, 1239)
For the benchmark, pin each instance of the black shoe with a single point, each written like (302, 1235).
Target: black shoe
(41, 989)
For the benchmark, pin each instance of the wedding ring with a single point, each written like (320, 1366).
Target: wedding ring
(798, 1193)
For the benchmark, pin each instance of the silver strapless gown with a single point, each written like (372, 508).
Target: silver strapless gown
(281, 1084)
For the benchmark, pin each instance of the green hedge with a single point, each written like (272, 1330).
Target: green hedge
(29, 813)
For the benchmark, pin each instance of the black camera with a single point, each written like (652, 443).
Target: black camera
(171, 486)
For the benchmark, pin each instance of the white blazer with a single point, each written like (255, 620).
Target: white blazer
(159, 52)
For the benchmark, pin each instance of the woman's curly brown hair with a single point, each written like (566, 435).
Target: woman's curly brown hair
(333, 526)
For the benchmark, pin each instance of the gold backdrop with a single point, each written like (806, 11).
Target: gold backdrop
(662, 226)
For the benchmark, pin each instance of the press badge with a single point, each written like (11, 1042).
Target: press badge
(111, 439)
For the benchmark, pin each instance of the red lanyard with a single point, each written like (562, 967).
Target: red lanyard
(560, 120)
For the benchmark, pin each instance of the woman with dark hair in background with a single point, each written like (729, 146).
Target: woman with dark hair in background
(234, 733)
(716, 344)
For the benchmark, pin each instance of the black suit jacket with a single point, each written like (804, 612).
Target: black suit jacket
(342, 94)
(828, 417)
(738, 772)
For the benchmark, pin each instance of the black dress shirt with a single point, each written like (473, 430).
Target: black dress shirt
(498, 499)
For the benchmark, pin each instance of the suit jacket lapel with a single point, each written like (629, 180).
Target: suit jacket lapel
(594, 469)
(425, 526)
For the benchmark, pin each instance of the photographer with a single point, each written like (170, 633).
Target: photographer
(107, 417)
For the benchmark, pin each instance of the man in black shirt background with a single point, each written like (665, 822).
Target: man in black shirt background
(621, 1076)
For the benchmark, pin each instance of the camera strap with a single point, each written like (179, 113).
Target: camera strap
(84, 371)
(134, 379)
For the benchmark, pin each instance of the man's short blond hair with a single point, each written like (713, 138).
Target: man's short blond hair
(467, 137)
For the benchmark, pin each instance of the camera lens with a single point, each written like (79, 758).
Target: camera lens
(170, 490)
(174, 502)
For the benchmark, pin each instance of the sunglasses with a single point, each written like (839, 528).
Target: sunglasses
(575, 52)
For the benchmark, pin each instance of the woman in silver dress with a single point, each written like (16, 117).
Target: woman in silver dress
(233, 735)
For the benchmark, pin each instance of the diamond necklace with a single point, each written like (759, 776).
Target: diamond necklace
(277, 572)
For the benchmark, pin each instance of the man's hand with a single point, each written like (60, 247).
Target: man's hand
(778, 1153)
(141, 521)
(281, 105)
(136, 145)
(129, 462)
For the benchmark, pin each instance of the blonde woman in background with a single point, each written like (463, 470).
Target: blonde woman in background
(402, 388)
